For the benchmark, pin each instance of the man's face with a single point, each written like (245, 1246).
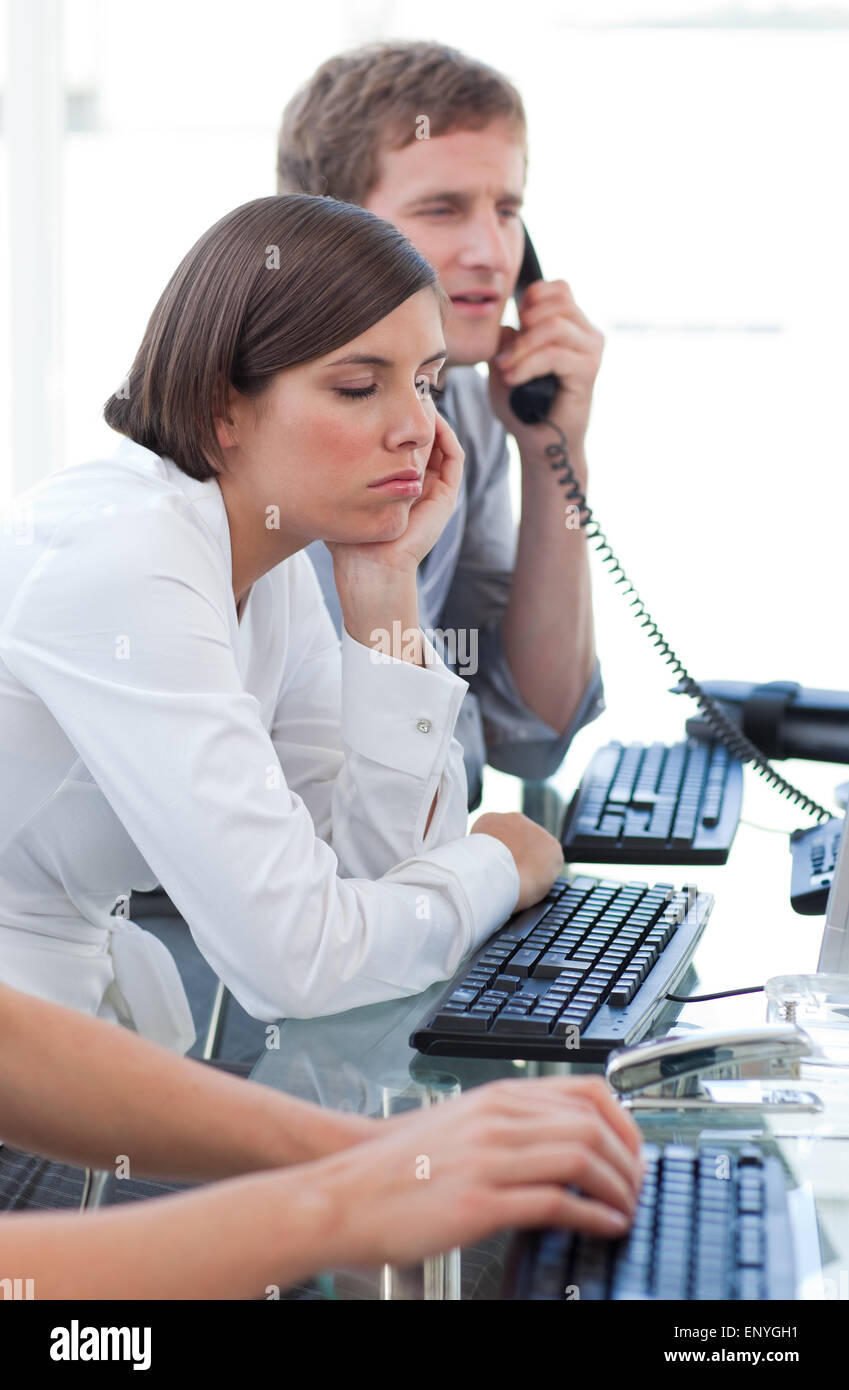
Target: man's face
(457, 197)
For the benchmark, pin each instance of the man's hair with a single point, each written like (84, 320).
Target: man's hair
(277, 282)
(361, 103)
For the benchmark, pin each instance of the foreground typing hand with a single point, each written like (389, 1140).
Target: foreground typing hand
(500, 1156)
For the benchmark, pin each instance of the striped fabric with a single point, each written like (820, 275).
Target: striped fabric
(31, 1183)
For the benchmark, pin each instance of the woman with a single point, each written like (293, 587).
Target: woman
(348, 1190)
(173, 705)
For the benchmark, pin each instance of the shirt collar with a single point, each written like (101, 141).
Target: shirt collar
(205, 496)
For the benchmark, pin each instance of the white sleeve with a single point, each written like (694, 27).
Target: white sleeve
(370, 782)
(121, 628)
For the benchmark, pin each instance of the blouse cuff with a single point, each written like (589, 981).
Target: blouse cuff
(484, 870)
(397, 714)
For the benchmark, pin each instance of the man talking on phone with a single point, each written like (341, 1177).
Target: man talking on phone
(435, 142)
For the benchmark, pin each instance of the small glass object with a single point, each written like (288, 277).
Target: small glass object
(820, 1005)
(437, 1277)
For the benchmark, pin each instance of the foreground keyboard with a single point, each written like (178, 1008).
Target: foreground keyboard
(710, 1224)
(653, 804)
(580, 973)
(814, 853)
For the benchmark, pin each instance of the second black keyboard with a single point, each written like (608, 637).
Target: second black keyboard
(582, 972)
(711, 1224)
(655, 804)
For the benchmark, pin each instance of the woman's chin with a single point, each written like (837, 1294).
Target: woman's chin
(391, 524)
(388, 524)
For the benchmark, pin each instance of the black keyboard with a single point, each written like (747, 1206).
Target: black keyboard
(582, 972)
(710, 1224)
(814, 858)
(655, 804)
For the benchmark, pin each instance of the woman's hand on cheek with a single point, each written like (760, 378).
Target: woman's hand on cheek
(429, 513)
(376, 581)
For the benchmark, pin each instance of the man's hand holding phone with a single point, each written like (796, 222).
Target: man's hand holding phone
(554, 336)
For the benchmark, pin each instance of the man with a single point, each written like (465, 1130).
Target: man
(436, 143)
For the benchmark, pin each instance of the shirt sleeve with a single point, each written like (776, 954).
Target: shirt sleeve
(517, 740)
(369, 779)
(121, 628)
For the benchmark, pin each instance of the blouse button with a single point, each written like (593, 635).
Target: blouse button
(423, 726)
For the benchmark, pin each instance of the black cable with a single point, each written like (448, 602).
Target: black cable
(720, 994)
(725, 730)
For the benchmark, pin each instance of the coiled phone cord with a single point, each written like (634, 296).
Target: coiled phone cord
(725, 730)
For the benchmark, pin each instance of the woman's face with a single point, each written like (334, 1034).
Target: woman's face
(321, 441)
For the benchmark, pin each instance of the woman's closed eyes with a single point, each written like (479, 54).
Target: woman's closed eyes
(360, 393)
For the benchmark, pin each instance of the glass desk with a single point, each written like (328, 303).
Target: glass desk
(360, 1060)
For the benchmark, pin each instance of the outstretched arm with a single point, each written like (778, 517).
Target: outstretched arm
(504, 1155)
(83, 1090)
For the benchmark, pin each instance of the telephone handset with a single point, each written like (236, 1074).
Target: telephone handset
(533, 399)
(531, 402)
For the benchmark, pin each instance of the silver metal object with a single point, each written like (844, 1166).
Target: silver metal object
(669, 1074)
(94, 1187)
(217, 1020)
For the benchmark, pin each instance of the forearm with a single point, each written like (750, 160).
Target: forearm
(381, 610)
(79, 1089)
(549, 613)
(229, 1241)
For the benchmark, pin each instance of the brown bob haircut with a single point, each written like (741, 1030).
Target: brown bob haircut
(366, 101)
(277, 282)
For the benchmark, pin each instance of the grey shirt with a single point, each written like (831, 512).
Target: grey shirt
(463, 587)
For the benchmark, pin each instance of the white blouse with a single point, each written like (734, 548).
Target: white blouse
(275, 782)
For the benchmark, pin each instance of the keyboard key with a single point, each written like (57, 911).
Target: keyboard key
(608, 830)
(550, 966)
(463, 996)
(523, 962)
(750, 1284)
(750, 1247)
(568, 1022)
(461, 1023)
(751, 1201)
(527, 1025)
(508, 983)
